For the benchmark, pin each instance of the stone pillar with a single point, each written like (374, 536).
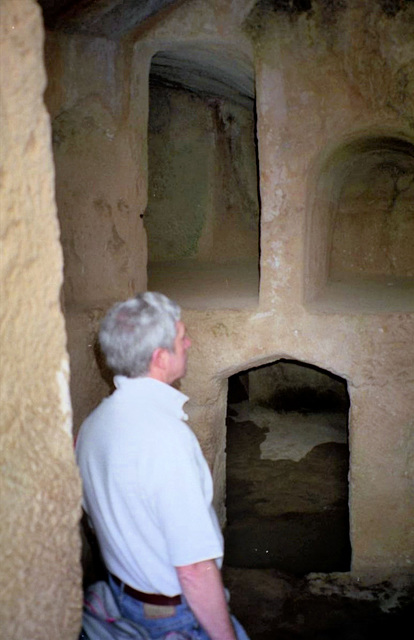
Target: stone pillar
(40, 574)
(100, 157)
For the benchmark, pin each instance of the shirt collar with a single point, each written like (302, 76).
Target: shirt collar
(150, 387)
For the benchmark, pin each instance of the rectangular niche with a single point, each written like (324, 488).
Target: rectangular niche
(202, 218)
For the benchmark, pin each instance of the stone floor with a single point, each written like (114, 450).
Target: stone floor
(203, 285)
(235, 285)
(275, 605)
(288, 553)
(287, 490)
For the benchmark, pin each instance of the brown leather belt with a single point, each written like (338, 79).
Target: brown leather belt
(149, 598)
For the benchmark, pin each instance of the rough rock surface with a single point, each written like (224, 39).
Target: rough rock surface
(40, 573)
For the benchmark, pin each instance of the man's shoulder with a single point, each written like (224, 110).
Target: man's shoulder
(138, 419)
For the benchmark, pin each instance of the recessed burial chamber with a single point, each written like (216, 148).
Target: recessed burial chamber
(202, 219)
(361, 231)
(287, 469)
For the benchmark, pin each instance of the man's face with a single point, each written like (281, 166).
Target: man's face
(178, 357)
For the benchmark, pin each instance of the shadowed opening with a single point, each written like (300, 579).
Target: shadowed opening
(287, 469)
(202, 218)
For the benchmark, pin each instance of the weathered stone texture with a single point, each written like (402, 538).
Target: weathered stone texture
(333, 92)
(99, 138)
(96, 143)
(39, 487)
(202, 198)
(324, 89)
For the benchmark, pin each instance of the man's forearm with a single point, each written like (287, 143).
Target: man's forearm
(203, 589)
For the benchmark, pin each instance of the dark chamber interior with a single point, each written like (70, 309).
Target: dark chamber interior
(287, 470)
(203, 212)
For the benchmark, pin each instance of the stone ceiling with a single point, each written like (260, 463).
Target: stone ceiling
(107, 18)
(210, 71)
(116, 18)
(206, 70)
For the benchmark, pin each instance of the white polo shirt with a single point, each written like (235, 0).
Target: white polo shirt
(147, 486)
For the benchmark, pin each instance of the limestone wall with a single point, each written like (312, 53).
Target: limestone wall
(202, 189)
(332, 84)
(289, 386)
(40, 572)
(181, 171)
(374, 221)
(99, 146)
(323, 80)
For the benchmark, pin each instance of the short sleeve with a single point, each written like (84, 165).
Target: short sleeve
(182, 505)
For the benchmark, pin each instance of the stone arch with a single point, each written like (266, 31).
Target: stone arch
(287, 468)
(360, 225)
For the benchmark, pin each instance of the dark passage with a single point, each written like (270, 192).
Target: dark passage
(287, 552)
(287, 470)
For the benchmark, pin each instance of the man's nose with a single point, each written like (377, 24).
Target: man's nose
(187, 342)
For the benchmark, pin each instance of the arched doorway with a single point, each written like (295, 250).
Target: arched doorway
(287, 469)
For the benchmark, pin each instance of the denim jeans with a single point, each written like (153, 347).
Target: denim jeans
(183, 619)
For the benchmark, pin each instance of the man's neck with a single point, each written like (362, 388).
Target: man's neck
(158, 374)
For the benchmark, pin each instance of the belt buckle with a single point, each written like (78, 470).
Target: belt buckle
(154, 611)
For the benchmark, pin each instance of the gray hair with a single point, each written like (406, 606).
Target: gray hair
(132, 330)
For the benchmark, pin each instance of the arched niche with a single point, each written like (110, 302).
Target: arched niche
(287, 466)
(202, 218)
(360, 230)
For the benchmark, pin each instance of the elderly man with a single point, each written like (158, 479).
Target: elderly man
(147, 487)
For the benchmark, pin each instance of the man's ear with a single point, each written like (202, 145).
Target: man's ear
(159, 358)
